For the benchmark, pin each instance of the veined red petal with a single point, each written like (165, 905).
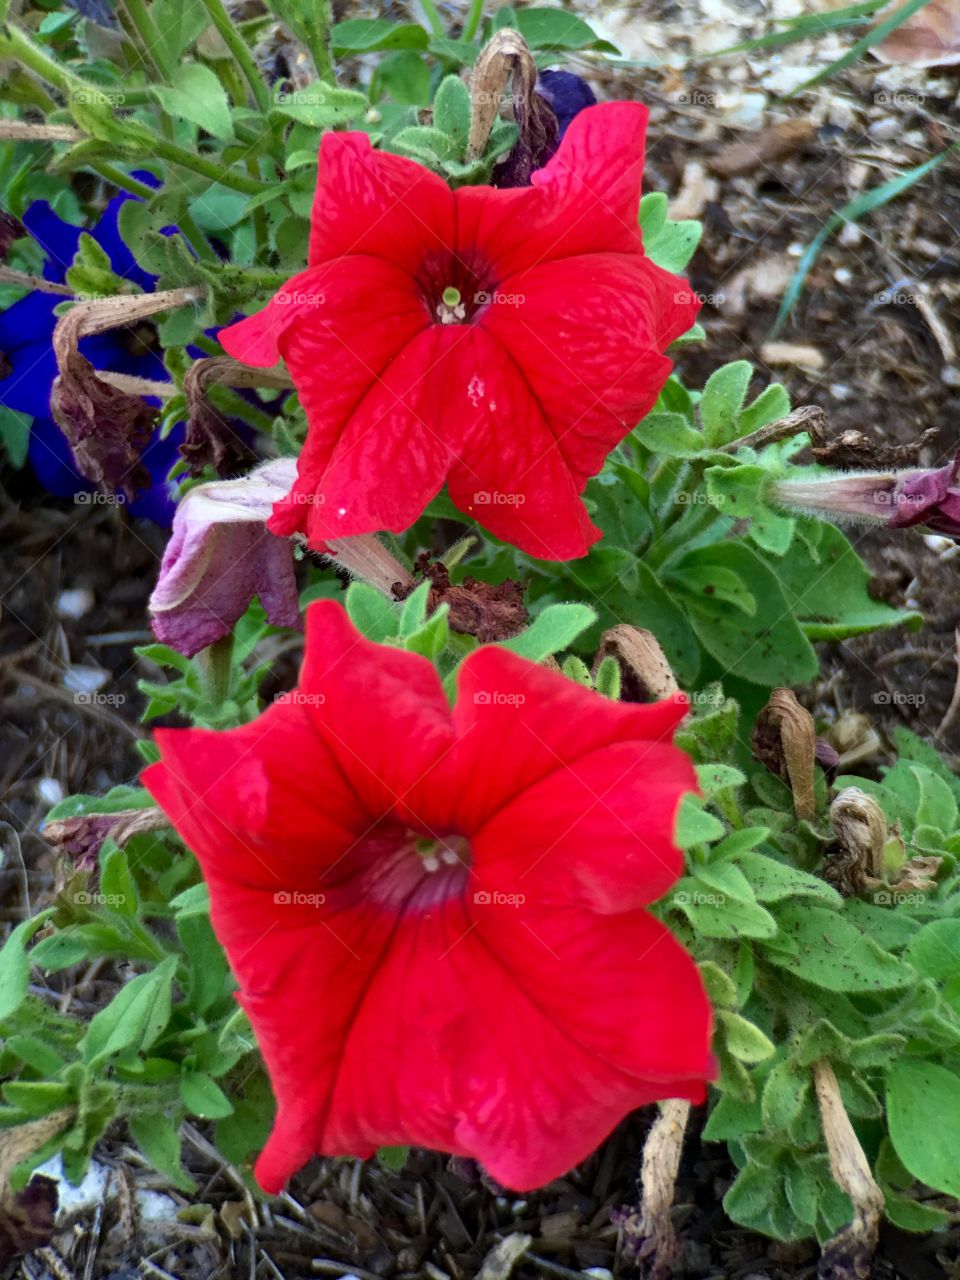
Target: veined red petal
(586, 200)
(589, 334)
(520, 713)
(372, 202)
(592, 846)
(388, 459)
(508, 472)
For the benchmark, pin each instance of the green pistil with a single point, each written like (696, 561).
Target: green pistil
(451, 296)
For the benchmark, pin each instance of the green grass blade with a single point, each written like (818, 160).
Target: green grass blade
(805, 27)
(879, 32)
(864, 203)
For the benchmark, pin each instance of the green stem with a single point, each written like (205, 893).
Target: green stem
(16, 44)
(207, 168)
(215, 667)
(198, 241)
(151, 42)
(473, 19)
(122, 181)
(433, 17)
(320, 43)
(241, 53)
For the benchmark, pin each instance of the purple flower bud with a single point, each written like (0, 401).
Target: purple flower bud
(931, 498)
(220, 556)
(897, 499)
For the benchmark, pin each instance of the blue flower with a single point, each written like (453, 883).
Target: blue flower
(26, 342)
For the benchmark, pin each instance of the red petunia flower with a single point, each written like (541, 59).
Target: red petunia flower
(435, 916)
(502, 342)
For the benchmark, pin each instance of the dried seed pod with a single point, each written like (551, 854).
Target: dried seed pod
(861, 831)
(646, 672)
(785, 740)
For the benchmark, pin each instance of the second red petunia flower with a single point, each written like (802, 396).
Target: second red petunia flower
(501, 342)
(436, 915)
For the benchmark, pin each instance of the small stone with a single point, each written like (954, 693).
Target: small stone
(50, 791)
(843, 275)
(74, 603)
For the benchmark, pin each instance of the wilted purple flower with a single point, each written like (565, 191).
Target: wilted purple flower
(220, 556)
(897, 499)
(929, 497)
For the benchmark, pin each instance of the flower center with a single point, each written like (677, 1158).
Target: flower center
(454, 288)
(450, 309)
(402, 869)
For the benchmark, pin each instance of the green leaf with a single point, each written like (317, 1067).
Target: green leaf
(197, 95)
(203, 1097)
(910, 1215)
(669, 435)
(366, 35)
(374, 616)
(935, 950)
(159, 1139)
(653, 216)
(192, 901)
(15, 964)
(423, 142)
(394, 1158)
(413, 614)
(834, 954)
(432, 637)
(674, 246)
(773, 881)
(718, 916)
(135, 1017)
(720, 986)
(723, 397)
(694, 825)
(551, 631)
(731, 1118)
(923, 1109)
(406, 78)
(452, 111)
(831, 598)
(718, 777)
(117, 884)
(768, 648)
(557, 29)
(771, 404)
(321, 105)
(744, 1040)
(738, 492)
(15, 435)
(715, 583)
(784, 1093)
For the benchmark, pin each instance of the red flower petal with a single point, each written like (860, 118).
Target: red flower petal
(586, 200)
(508, 472)
(520, 714)
(590, 847)
(588, 334)
(371, 202)
(400, 430)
